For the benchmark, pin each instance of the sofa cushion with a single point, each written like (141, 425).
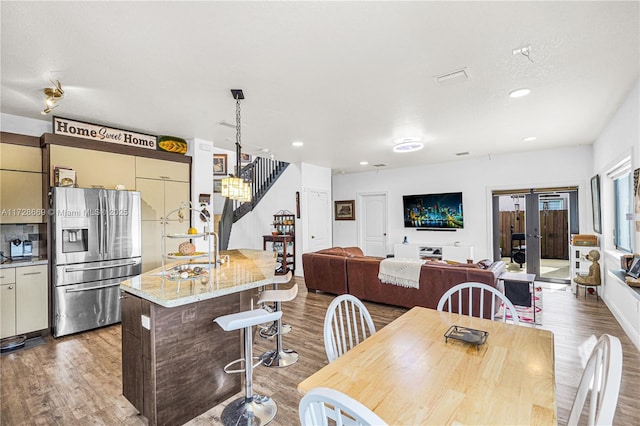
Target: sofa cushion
(342, 251)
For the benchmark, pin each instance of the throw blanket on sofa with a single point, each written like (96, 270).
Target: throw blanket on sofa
(402, 272)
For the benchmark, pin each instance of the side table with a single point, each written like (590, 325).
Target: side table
(528, 279)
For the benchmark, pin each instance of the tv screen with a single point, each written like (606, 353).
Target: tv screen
(433, 211)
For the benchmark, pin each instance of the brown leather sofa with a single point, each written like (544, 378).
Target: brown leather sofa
(326, 270)
(339, 270)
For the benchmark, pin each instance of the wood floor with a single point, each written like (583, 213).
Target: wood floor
(76, 380)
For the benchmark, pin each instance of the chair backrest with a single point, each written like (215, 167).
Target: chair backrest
(602, 376)
(463, 297)
(346, 324)
(320, 405)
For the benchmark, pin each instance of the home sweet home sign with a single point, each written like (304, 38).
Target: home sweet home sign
(79, 129)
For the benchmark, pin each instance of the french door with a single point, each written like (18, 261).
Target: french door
(532, 228)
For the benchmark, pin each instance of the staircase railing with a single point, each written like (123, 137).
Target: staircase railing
(261, 174)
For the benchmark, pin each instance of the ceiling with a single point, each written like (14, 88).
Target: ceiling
(345, 78)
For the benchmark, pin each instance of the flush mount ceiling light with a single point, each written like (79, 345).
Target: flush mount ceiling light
(407, 145)
(53, 95)
(364, 163)
(297, 143)
(518, 93)
(529, 139)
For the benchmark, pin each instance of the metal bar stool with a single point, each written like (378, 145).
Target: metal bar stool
(251, 409)
(267, 332)
(279, 357)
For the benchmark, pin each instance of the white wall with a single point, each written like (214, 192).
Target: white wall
(25, 126)
(248, 231)
(201, 152)
(475, 178)
(620, 138)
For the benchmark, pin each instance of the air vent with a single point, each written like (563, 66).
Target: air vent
(379, 165)
(457, 76)
(460, 154)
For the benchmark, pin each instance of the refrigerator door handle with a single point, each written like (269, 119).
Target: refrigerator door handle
(94, 268)
(98, 287)
(105, 217)
(100, 233)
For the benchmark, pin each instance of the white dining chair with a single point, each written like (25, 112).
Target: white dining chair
(481, 289)
(320, 405)
(601, 376)
(347, 323)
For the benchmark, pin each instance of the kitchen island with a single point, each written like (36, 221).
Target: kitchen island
(172, 353)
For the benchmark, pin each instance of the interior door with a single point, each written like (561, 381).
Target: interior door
(319, 212)
(372, 235)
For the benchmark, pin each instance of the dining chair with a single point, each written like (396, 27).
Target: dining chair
(320, 405)
(347, 323)
(480, 289)
(601, 376)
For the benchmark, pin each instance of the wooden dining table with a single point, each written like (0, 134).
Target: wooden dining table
(409, 374)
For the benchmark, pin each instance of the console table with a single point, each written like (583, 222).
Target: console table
(280, 243)
(433, 251)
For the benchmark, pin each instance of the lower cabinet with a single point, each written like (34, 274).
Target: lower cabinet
(23, 300)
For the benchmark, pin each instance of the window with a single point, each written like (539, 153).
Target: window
(623, 204)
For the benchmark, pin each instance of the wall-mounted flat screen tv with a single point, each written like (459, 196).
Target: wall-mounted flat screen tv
(433, 211)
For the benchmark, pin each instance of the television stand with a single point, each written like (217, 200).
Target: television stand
(433, 252)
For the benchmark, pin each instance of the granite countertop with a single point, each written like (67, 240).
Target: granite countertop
(21, 263)
(246, 269)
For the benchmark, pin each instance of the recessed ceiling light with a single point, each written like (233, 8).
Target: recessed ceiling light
(407, 145)
(297, 143)
(529, 139)
(364, 163)
(518, 93)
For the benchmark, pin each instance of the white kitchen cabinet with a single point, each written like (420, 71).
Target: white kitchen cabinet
(32, 311)
(152, 168)
(20, 197)
(7, 302)
(152, 241)
(163, 186)
(158, 197)
(20, 184)
(20, 157)
(94, 168)
(24, 306)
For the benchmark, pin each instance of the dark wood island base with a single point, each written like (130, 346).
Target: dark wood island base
(173, 354)
(173, 370)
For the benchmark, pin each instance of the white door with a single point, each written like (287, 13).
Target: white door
(372, 235)
(319, 212)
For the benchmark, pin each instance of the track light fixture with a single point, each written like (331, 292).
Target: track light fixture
(53, 95)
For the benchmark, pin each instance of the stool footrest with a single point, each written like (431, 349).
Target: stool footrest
(241, 360)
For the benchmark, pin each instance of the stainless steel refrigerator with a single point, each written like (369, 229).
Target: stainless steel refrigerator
(95, 245)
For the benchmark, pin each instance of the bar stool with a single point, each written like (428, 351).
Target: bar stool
(279, 357)
(251, 409)
(267, 332)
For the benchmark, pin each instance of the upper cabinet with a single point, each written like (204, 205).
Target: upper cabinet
(151, 168)
(94, 168)
(20, 184)
(20, 157)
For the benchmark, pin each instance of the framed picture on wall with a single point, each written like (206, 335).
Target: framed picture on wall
(345, 210)
(245, 158)
(219, 164)
(217, 186)
(595, 204)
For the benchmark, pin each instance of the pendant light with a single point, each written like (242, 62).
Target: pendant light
(234, 187)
